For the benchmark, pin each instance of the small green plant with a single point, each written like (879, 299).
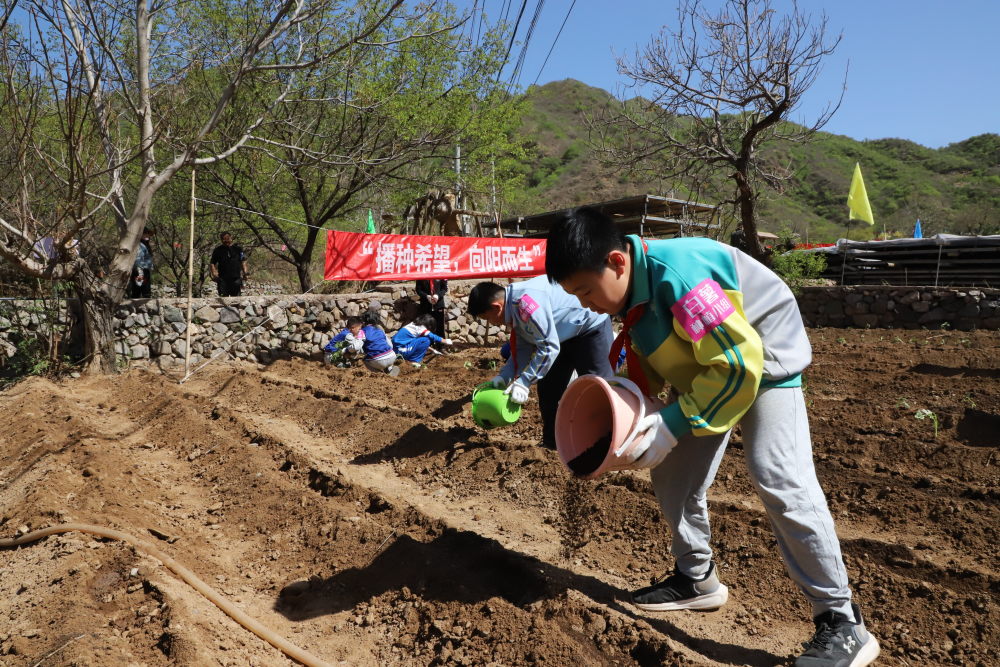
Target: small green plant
(903, 403)
(842, 340)
(968, 400)
(924, 413)
(31, 357)
(945, 326)
(122, 362)
(468, 365)
(493, 364)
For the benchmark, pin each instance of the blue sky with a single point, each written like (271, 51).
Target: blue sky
(923, 70)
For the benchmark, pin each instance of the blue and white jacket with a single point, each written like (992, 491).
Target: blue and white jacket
(376, 344)
(540, 316)
(411, 332)
(346, 336)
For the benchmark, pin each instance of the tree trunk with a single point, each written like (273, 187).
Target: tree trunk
(97, 309)
(748, 215)
(304, 269)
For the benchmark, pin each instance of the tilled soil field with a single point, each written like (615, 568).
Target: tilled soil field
(368, 520)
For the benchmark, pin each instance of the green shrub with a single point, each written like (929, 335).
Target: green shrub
(797, 267)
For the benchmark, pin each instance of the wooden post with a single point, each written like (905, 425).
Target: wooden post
(187, 342)
(937, 270)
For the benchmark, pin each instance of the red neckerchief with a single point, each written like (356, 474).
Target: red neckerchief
(512, 339)
(513, 347)
(624, 339)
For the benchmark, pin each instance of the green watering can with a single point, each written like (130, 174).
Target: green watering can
(492, 408)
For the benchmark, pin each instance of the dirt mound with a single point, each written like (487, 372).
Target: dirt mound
(368, 520)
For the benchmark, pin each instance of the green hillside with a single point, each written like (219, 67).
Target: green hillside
(955, 189)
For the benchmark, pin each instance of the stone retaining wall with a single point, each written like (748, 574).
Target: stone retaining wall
(261, 328)
(256, 328)
(900, 307)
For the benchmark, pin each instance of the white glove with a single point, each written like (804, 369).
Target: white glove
(447, 341)
(518, 392)
(498, 381)
(651, 443)
(354, 344)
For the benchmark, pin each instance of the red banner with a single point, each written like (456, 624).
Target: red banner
(355, 256)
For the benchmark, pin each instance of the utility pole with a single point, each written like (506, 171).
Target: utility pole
(493, 177)
(459, 195)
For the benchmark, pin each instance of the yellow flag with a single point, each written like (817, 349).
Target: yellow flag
(857, 199)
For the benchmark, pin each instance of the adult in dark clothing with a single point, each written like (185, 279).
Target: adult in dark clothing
(228, 266)
(432, 293)
(141, 280)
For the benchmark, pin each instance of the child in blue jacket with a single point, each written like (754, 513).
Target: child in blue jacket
(726, 334)
(379, 355)
(347, 346)
(413, 341)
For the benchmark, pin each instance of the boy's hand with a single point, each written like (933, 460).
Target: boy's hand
(498, 381)
(518, 392)
(446, 341)
(653, 441)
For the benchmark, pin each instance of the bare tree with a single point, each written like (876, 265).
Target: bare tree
(719, 86)
(363, 130)
(95, 120)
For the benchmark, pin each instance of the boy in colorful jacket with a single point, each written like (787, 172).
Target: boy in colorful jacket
(413, 341)
(550, 337)
(726, 334)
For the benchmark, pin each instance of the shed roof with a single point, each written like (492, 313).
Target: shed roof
(649, 215)
(943, 259)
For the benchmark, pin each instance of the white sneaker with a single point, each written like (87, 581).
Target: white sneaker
(679, 591)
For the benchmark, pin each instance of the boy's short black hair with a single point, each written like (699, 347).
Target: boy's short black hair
(426, 320)
(482, 296)
(372, 318)
(354, 322)
(580, 241)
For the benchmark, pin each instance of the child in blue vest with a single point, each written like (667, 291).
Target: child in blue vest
(551, 336)
(726, 334)
(413, 341)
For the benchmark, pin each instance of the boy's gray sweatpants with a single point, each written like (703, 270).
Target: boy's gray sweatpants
(778, 453)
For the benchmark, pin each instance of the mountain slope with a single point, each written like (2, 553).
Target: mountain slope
(954, 189)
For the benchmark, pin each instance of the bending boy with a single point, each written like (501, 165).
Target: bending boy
(726, 333)
(379, 355)
(550, 337)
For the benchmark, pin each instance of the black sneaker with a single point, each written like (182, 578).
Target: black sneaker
(839, 643)
(679, 591)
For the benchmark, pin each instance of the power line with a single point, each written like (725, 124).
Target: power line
(513, 35)
(516, 75)
(263, 215)
(551, 48)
